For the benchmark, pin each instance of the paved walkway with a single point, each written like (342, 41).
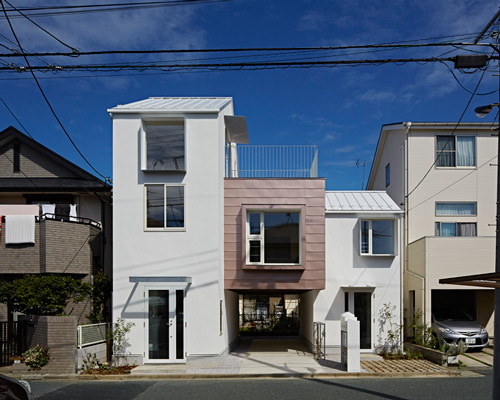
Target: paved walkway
(481, 359)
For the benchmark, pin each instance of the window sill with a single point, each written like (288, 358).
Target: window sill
(378, 255)
(274, 267)
(454, 168)
(165, 230)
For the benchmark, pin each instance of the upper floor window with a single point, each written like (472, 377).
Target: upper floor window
(165, 146)
(377, 237)
(164, 206)
(455, 151)
(456, 229)
(387, 174)
(273, 238)
(459, 208)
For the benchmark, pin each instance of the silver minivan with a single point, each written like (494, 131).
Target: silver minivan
(453, 324)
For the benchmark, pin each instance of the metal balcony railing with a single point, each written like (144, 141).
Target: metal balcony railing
(271, 161)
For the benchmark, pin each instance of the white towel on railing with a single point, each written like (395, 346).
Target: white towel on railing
(19, 229)
(72, 212)
(49, 209)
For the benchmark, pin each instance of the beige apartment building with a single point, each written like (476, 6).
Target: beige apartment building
(444, 178)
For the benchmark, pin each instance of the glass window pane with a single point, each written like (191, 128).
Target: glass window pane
(254, 251)
(445, 150)
(281, 238)
(254, 223)
(365, 231)
(448, 229)
(155, 215)
(382, 237)
(467, 229)
(179, 324)
(388, 174)
(466, 151)
(175, 206)
(165, 146)
(456, 208)
(158, 324)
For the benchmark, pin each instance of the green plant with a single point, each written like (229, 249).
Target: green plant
(119, 342)
(90, 363)
(389, 331)
(423, 334)
(454, 349)
(100, 293)
(36, 357)
(43, 294)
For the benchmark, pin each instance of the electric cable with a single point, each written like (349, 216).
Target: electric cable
(19, 122)
(45, 97)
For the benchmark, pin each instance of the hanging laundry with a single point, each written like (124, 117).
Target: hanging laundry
(72, 212)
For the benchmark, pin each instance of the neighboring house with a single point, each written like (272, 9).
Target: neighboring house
(215, 239)
(56, 217)
(364, 265)
(445, 181)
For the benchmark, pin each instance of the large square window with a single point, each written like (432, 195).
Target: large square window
(165, 146)
(273, 237)
(164, 207)
(455, 151)
(377, 237)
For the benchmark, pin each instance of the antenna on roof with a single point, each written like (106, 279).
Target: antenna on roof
(364, 164)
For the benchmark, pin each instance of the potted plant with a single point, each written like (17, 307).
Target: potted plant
(17, 359)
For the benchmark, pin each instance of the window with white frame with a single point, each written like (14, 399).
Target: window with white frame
(273, 237)
(456, 208)
(164, 144)
(451, 229)
(455, 151)
(377, 237)
(164, 207)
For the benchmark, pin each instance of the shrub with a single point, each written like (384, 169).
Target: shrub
(36, 357)
(119, 341)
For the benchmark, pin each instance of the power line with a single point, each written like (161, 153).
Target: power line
(42, 28)
(463, 87)
(250, 49)
(45, 97)
(94, 8)
(19, 122)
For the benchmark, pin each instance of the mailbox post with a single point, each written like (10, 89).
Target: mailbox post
(349, 339)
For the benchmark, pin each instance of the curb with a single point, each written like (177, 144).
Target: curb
(235, 376)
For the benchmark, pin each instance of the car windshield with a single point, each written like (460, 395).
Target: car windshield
(451, 314)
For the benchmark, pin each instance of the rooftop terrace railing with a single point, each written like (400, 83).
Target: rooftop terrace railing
(271, 161)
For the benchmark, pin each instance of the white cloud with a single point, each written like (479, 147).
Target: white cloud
(312, 21)
(375, 96)
(345, 149)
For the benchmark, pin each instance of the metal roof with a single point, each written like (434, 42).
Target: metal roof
(359, 201)
(178, 104)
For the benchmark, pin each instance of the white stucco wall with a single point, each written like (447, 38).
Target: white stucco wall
(346, 270)
(196, 252)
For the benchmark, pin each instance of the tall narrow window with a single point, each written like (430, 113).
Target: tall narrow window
(387, 174)
(455, 151)
(164, 206)
(165, 146)
(17, 157)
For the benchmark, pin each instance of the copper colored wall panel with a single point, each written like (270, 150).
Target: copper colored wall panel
(261, 194)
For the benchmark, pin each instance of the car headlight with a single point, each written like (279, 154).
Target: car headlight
(447, 330)
(483, 330)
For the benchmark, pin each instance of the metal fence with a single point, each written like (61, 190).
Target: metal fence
(319, 345)
(92, 334)
(13, 340)
(271, 161)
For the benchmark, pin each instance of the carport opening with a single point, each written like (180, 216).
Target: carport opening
(269, 315)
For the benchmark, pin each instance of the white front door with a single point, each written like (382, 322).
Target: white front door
(165, 339)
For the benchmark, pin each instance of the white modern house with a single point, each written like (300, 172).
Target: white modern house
(364, 265)
(444, 178)
(216, 239)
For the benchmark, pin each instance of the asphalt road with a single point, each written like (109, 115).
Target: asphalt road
(477, 387)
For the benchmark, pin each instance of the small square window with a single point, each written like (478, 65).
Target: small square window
(164, 206)
(377, 237)
(455, 151)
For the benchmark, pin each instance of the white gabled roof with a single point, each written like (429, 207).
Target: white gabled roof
(177, 104)
(359, 201)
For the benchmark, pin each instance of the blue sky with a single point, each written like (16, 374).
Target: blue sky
(339, 109)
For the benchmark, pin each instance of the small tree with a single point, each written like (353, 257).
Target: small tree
(43, 294)
(101, 291)
(119, 341)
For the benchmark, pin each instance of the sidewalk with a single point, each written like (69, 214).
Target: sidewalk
(261, 358)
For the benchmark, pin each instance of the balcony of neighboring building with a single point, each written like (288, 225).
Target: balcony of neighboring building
(435, 257)
(271, 161)
(61, 244)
